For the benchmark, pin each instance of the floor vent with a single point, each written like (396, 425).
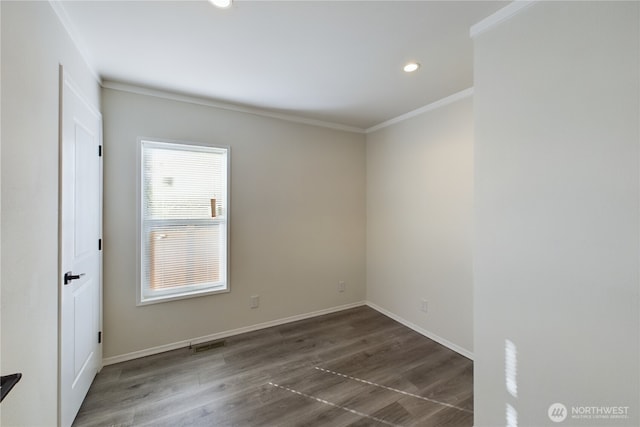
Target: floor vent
(204, 346)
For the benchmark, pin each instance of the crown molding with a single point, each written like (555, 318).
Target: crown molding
(500, 16)
(158, 93)
(73, 33)
(430, 107)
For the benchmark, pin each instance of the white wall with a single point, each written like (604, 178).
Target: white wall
(297, 220)
(33, 44)
(419, 211)
(556, 211)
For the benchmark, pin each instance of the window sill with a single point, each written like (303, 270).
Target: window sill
(221, 289)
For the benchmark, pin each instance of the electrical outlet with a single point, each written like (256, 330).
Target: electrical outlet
(255, 301)
(423, 305)
(341, 286)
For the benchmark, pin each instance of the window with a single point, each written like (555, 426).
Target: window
(183, 220)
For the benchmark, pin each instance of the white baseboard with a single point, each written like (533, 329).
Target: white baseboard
(466, 353)
(185, 343)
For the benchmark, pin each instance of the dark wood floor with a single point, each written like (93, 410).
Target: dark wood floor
(352, 368)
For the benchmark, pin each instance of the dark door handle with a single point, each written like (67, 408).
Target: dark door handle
(69, 276)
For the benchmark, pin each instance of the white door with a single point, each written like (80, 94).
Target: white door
(80, 254)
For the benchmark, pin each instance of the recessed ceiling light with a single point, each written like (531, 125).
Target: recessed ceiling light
(223, 4)
(411, 67)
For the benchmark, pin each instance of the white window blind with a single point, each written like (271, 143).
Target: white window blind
(183, 220)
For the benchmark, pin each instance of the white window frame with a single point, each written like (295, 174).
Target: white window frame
(144, 296)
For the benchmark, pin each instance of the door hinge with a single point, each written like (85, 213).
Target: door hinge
(99, 150)
(99, 244)
(100, 337)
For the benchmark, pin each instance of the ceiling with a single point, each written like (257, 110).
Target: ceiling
(334, 61)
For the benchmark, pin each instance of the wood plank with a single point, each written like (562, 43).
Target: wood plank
(351, 368)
